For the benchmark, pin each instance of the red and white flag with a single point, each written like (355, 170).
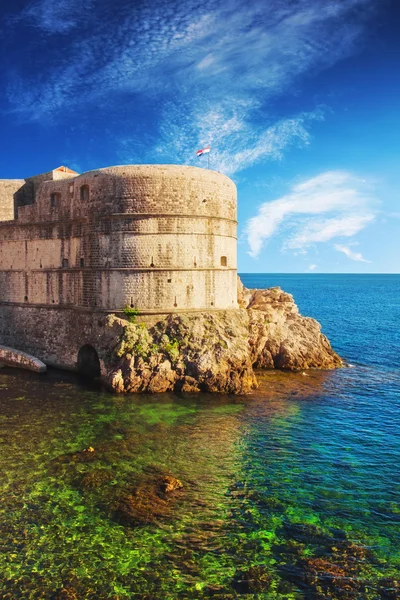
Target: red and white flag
(203, 151)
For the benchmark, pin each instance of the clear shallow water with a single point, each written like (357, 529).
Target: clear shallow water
(292, 492)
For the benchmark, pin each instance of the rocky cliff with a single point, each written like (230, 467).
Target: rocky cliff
(216, 351)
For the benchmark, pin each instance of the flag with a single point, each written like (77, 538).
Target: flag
(203, 151)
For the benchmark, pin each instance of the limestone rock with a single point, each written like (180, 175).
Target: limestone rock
(196, 352)
(244, 294)
(216, 351)
(281, 338)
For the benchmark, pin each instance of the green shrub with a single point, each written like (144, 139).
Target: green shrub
(135, 340)
(130, 314)
(171, 348)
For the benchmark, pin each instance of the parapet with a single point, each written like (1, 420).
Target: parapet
(132, 189)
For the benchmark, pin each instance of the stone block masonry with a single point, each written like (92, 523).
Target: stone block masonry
(8, 187)
(157, 238)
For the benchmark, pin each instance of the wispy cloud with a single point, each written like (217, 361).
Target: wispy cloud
(236, 143)
(333, 204)
(207, 71)
(357, 256)
(53, 17)
(323, 230)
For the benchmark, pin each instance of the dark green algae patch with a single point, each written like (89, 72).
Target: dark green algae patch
(276, 501)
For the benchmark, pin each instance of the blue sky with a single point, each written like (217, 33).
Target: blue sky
(299, 100)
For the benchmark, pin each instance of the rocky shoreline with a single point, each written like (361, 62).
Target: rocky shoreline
(215, 351)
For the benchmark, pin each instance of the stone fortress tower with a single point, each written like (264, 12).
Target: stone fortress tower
(73, 248)
(160, 239)
(157, 238)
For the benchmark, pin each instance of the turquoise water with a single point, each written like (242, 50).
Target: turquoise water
(289, 493)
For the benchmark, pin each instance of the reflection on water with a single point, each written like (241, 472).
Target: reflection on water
(288, 493)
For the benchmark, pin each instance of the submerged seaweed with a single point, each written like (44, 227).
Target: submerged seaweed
(271, 505)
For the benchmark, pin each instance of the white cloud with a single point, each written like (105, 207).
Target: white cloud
(206, 71)
(324, 230)
(357, 256)
(312, 267)
(53, 17)
(234, 143)
(346, 203)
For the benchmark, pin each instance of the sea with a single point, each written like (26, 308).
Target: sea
(291, 492)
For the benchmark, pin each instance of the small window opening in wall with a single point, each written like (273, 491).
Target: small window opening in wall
(84, 193)
(169, 280)
(65, 263)
(132, 305)
(195, 262)
(224, 261)
(71, 189)
(212, 300)
(81, 262)
(175, 304)
(152, 262)
(204, 201)
(55, 199)
(26, 298)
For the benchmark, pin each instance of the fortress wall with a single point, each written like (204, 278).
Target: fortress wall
(170, 291)
(32, 272)
(142, 189)
(42, 210)
(55, 175)
(12, 286)
(187, 251)
(54, 335)
(162, 238)
(112, 243)
(157, 189)
(8, 187)
(114, 289)
(41, 254)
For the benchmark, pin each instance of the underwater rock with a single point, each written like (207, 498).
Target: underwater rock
(67, 593)
(306, 533)
(169, 484)
(146, 502)
(324, 574)
(83, 456)
(95, 479)
(338, 573)
(140, 508)
(389, 588)
(216, 351)
(253, 580)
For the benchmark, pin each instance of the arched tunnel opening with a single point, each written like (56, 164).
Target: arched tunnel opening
(88, 362)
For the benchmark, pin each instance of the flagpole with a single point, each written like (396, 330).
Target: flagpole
(205, 151)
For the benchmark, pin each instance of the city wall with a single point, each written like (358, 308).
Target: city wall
(155, 238)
